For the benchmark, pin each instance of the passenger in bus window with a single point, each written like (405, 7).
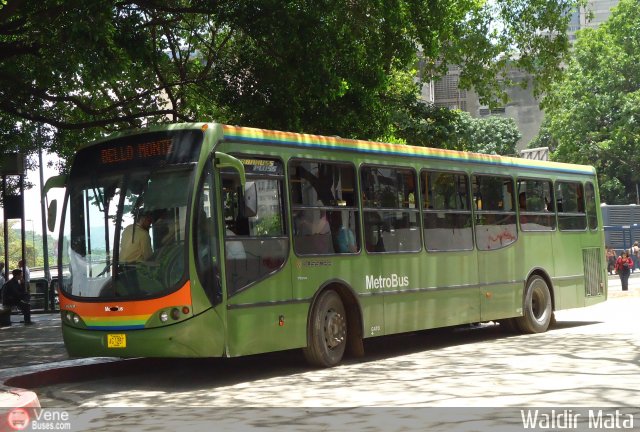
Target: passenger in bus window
(135, 244)
(345, 240)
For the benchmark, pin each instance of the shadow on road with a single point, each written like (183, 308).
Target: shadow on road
(424, 357)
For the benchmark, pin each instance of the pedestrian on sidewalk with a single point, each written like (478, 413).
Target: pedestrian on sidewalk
(611, 259)
(15, 294)
(26, 277)
(624, 264)
(635, 255)
(2, 279)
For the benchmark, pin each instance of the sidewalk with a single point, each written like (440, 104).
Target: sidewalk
(23, 349)
(35, 355)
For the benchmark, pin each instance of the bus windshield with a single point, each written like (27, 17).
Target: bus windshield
(126, 228)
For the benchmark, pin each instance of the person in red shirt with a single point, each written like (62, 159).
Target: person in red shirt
(624, 264)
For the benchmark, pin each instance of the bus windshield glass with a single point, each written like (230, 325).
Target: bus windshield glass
(125, 222)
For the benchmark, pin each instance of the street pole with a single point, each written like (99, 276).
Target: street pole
(45, 243)
(6, 230)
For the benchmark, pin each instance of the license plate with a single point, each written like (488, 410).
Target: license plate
(116, 341)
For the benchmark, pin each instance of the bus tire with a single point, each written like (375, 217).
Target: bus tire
(327, 331)
(538, 308)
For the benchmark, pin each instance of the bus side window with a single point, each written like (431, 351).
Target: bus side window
(323, 201)
(256, 242)
(496, 223)
(571, 211)
(446, 211)
(206, 242)
(391, 219)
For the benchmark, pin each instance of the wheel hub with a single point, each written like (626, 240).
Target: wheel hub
(334, 329)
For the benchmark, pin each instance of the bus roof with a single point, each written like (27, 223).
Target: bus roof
(290, 139)
(300, 140)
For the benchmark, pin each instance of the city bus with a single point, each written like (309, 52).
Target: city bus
(207, 240)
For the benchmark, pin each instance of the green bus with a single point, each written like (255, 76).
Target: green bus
(205, 240)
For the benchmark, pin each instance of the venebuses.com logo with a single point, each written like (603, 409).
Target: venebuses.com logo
(43, 419)
(18, 419)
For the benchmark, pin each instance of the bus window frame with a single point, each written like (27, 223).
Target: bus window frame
(416, 209)
(586, 206)
(477, 213)
(293, 207)
(214, 294)
(224, 237)
(571, 214)
(552, 213)
(424, 211)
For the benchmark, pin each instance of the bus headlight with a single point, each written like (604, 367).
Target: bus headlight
(164, 316)
(76, 319)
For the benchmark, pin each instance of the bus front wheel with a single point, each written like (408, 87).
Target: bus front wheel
(327, 331)
(538, 310)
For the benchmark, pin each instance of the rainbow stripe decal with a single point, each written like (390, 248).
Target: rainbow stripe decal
(244, 134)
(128, 315)
(131, 322)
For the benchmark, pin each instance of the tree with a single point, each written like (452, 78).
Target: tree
(592, 115)
(15, 247)
(428, 125)
(326, 66)
(494, 135)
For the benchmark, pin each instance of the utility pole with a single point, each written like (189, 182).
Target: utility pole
(45, 243)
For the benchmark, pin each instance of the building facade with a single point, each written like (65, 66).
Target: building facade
(523, 106)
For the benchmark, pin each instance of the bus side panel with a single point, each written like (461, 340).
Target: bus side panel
(503, 273)
(309, 274)
(500, 274)
(568, 278)
(259, 329)
(442, 291)
(265, 317)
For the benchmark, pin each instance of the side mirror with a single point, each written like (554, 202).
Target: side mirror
(52, 210)
(52, 213)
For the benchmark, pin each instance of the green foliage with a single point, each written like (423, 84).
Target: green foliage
(325, 66)
(494, 135)
(592, 115)
(33, 247)
(430, 126)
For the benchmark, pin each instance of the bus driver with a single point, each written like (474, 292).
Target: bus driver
(135, 244)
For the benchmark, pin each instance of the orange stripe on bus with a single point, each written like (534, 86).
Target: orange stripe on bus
(181, 297)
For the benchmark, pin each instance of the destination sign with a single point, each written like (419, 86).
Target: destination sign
(138, 152)
(124, 153)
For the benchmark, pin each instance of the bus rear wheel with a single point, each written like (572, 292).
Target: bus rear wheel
(538, 310)
(327, 331)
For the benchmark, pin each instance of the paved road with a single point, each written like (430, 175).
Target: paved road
(590, 359)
